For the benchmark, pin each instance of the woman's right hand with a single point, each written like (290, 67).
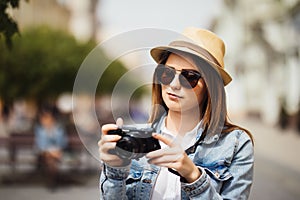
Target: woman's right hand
(107, 144)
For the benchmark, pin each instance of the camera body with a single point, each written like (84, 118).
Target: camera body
(135, 142)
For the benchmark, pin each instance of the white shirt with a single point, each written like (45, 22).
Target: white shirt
(168, 185)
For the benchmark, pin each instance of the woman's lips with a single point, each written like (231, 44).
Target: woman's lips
(174, 96)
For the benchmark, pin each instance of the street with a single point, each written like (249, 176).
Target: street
(277, 163)
(274, 182)
(276, 172)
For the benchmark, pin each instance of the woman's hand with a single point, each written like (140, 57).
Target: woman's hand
(174, 157)
(55, 153)
(107, 144)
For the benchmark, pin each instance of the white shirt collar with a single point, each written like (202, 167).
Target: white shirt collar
(186, 141)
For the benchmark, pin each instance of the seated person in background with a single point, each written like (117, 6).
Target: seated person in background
(50, 140)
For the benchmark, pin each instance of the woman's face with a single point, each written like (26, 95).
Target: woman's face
(47, 120)
(178, 98)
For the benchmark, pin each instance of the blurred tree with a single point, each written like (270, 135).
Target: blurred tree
(44, 64)
(8, 26)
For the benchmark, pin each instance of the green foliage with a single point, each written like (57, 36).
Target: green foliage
(112, 75)
(42, 64)
(8, 27)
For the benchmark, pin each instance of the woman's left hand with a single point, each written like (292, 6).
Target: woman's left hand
(174, 157)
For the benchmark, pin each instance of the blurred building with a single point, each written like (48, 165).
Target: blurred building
(75, 16)
(263, 49)
(46, 12)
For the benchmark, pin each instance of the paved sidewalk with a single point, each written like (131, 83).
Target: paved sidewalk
(84, 188)
(277, 163)
(272, 143)
(41, 193)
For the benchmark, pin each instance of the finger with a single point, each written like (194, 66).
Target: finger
(163, 152)
(166, 159)
(109, 158)
(107, 127)
(110, 138)
(168, 165)
(106, 147)
(119, 122)
(162, 138)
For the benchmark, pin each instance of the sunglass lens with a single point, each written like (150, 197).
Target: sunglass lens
(166, 75)
(189, 79)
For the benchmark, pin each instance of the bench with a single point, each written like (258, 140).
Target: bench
(17, 142)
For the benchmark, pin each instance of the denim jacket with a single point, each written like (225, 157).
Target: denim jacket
(225, 161)
(44, 141)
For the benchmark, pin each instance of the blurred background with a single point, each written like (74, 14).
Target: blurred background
(43, 44)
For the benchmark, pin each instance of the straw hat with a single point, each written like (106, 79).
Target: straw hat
(199, 42)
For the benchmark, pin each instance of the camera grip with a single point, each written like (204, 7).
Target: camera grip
(115, 132)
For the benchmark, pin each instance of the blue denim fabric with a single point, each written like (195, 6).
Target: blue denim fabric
(44, 141)
(226, 163)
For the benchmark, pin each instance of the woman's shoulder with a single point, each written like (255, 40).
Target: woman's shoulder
(240, 133)
(238, 136)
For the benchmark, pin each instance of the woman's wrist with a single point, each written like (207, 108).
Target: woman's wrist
(117, 173)
(124, 164)
(190, 172)
(193, 176)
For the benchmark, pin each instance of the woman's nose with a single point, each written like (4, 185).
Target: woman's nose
(175, 83)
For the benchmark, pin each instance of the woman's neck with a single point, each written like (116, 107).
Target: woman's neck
(181, 123)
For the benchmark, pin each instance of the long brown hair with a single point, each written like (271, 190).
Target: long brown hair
(213, 102)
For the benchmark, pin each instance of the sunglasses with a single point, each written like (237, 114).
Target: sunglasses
(188, 78)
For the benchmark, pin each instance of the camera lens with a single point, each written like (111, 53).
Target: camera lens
(128, 147)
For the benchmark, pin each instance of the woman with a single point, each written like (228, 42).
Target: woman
(202, 155)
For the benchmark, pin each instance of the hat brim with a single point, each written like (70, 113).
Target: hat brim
(158, 51)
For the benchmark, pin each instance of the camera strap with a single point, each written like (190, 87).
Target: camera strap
(192, 148)
(157, 124)
(188, 151)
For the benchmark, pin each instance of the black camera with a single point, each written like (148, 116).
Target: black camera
(135, 142)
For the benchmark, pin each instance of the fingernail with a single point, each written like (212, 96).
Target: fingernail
(119, 122)
(118, 137)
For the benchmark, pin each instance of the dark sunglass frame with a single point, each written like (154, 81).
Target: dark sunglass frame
(188, 78)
